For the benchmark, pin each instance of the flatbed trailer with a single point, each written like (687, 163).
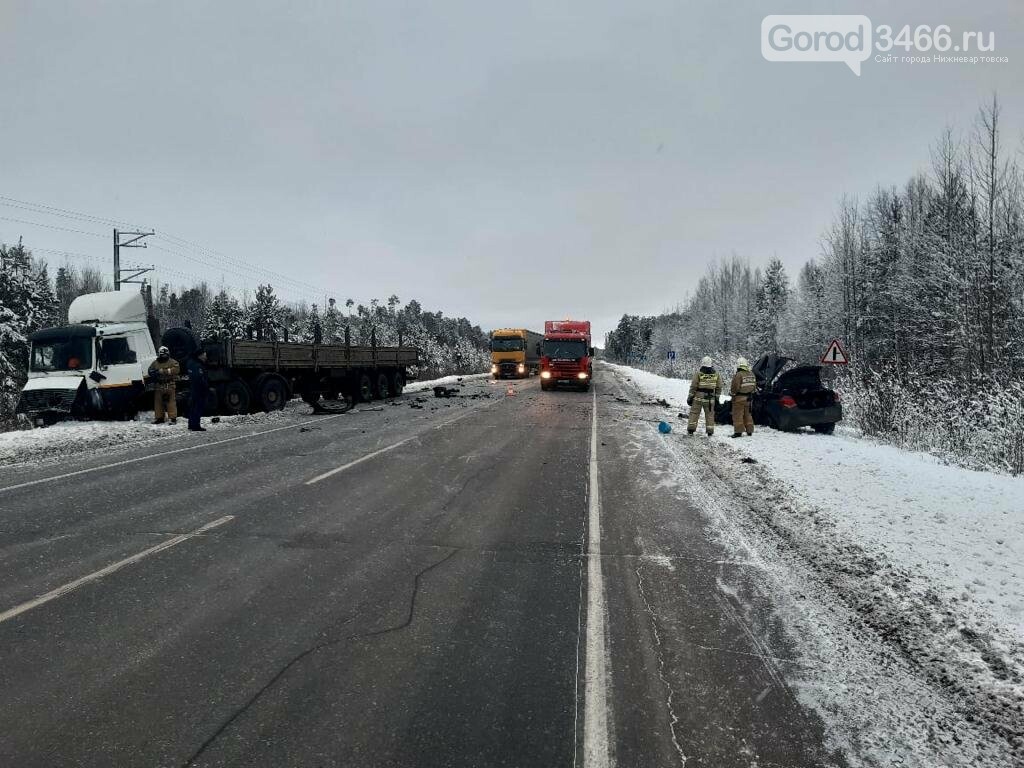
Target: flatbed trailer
(250, 375)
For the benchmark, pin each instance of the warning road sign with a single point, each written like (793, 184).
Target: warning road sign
(835, 355)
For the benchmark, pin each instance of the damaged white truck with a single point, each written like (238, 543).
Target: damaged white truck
(96, 367)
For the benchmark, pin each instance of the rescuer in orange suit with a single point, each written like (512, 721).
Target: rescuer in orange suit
(164, 372)
(704, 391)
(744, 384)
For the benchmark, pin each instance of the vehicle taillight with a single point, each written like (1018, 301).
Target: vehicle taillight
(787, 402)
(837, 397)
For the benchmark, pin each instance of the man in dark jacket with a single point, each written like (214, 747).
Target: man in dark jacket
(199, 384)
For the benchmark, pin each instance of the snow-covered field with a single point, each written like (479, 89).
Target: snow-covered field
(929, 556)
(71, 437)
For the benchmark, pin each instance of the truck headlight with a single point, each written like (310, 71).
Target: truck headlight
(545, 374)
(520, 368)
(494, 368)
(582, 374)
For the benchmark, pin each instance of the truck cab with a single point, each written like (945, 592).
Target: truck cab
(514, 353)
(93, 367)
(566, 354)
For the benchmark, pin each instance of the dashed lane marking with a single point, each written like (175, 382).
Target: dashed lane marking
(64, 589)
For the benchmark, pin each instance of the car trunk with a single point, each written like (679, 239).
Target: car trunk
(804, 385)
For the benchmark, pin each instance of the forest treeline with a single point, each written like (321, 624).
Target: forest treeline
(30, 299)
(924, 284)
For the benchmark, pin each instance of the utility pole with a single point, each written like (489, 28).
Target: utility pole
(134, 242)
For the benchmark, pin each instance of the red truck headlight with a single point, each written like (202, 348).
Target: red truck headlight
(582, 374)
(545, 374)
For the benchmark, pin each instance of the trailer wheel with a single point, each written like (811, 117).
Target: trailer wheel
(397, 384)
(383, 388)
(235, 397)
(271, 391)
(364, 388)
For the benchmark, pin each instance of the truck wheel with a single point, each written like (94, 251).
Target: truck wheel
(364, 388)
(383, 389)
(272, 392)
(544, 385)
(235, 398)
(397, 384)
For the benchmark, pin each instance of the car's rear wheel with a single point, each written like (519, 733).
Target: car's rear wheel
(825, 429)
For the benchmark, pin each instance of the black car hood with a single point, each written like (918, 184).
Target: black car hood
(767, 367)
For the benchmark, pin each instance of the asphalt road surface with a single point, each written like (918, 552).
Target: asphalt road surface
(489, 581)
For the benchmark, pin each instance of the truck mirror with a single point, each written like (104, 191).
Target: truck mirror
(591, 351)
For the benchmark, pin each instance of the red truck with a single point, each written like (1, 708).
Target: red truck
(566, 354)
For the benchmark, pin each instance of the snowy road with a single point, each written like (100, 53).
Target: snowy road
(411, 587)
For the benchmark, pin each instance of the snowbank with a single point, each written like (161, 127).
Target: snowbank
(419, 386)
(929, 557)
(958, 528)
(71, 437)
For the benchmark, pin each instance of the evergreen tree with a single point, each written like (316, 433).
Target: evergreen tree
(225, 319)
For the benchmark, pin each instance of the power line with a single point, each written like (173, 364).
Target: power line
(276, 276)
(51, 226)
(24, 205)
(169, 237)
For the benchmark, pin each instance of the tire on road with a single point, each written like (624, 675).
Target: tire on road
(271, 392)
(824, 429)
(234, 397)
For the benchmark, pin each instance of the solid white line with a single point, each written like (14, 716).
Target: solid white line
(72, 585)
(125, 462)
(595, 707)
(399, 444)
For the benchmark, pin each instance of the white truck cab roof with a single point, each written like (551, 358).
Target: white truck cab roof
(108, 307)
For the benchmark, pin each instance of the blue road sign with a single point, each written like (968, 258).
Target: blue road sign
(671, 354)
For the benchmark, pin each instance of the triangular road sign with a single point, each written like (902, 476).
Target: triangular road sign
(835, 354)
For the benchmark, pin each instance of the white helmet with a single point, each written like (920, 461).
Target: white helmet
(706, 362)
(163, 351)
(741, 362)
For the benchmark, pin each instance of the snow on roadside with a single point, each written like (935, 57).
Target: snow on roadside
(930, 556)
(449, 381)
(960, 529)
(78, 437)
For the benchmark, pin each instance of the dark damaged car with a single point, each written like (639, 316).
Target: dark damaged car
(789, 398)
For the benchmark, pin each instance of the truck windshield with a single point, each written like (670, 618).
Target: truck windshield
(72, 354)
(564, 349)
(506, 344)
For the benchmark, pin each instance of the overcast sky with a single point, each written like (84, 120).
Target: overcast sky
(510, 162)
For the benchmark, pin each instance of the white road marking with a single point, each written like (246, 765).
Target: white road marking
(73, 585)
(595, 708)
(360, 460)
(137, 459)
(399, 444)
